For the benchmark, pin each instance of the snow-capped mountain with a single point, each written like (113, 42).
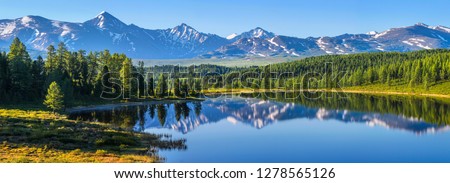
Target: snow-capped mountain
(257, 32)
(416, 37)
(107, 32)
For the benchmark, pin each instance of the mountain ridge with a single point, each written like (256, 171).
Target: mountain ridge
(105, 31)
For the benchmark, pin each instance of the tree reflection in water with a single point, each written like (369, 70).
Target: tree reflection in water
(415, 114)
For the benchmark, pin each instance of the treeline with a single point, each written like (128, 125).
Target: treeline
(93, 75)
(415, 69)
(79, 74)
(82, 75)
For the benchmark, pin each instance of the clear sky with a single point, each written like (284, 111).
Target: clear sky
(301, 18)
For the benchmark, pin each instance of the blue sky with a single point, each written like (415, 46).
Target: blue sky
(299, 18)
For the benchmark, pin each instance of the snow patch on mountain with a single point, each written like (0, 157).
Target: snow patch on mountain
(372, 33)
(9, 29)
(26, 20)
(232, 36)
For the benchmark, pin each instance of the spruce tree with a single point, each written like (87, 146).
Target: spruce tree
(19, 70)
(125, 77)
(161, 89)
(3, 76)
(150, 86)
(141, 79)
(55, 97)
(176, 88)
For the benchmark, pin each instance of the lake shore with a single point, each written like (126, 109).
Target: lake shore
(46, 137)
(85, 141)
(345, 90)
(101, 106)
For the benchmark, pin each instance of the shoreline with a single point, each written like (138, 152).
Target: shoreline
(336, 91)
(125, 103)
(103, 106)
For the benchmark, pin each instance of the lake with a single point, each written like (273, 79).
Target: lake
(320, 127)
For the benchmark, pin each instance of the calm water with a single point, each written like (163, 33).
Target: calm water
(357, 128)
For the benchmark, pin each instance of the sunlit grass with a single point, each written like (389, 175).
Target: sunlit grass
(43, 136)
(14, 154)
(441, 88)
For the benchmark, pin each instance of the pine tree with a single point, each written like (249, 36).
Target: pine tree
(125, 77)
(50, 64)
(176, 88)
(150, 86)
(55, 97)
(426, 82)
(161, 88)
(141, 79)
(61, 56)
(3, 76)
(184, 89)
(266, 79)
(388, 80)
(19, 69)
(67, 89)
(38, 77)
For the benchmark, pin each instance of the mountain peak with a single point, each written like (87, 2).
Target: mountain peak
(421, 24)
(183, 28)
(105, 20)
(257, 32)
(104, 13)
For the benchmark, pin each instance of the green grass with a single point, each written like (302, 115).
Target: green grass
(41, 136)
(441, 88)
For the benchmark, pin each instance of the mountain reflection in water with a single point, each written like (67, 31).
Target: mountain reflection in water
(416, 115)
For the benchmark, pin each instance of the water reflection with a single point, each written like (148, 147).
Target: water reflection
(416, 115)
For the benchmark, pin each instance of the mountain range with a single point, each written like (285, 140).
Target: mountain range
(107, 32)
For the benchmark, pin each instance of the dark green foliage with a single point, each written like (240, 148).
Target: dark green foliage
(83, 75)
(150, 86)
(162, 88)
(19, 64)
(4, 76)
(79, 75)
(140, 75)
(125, 77)
(177, 87)
(38, 78)
(362, 69)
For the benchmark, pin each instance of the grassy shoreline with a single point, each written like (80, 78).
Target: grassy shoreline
(41, 136)
(438, 90)
(31, 133)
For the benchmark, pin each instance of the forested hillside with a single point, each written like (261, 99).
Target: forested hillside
(84, 75)
(415, 69)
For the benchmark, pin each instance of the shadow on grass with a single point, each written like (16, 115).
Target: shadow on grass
(67, 135)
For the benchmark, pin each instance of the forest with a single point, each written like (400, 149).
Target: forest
(83, 76)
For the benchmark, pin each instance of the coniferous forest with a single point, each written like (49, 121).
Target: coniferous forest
(86, 75)
(82, 75)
